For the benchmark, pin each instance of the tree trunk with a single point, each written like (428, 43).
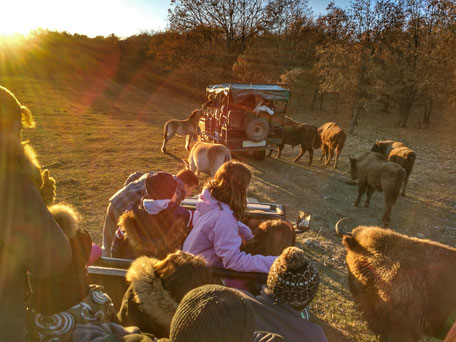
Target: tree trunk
(336, 108)
(354, 118)
(385, 107)
(427, 113)
(321, 100)
(314, 99)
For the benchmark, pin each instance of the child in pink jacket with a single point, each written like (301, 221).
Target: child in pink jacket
(217, 232)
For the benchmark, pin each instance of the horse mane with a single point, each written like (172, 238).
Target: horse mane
(193, 113)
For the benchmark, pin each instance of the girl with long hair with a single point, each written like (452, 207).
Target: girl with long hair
(217, 231)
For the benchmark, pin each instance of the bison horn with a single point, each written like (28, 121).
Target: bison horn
(339, 230)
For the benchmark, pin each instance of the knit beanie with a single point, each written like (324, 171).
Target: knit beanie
(213, 313)
(160, 185)
(293, 279)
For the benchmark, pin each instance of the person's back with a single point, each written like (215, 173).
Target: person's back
(282, 306)
(217, 230)
(282, 319)
(152, 226)
(30, 239)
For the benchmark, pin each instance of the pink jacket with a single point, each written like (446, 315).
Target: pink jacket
(216, 237)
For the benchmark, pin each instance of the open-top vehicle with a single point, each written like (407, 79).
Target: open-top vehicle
(110, 272)
(244, 117)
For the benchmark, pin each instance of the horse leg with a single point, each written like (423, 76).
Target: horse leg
(166, 136)
(187, 141)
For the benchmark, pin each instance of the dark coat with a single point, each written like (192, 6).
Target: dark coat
(280, 318)
(146, 304)
(151, 235)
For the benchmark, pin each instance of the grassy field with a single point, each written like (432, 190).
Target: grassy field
(91, 134)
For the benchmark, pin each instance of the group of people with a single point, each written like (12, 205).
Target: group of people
(172, 295)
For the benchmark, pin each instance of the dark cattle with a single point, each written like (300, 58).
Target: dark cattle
(374, 172)
(405, 287)
(398, 153)
(271, 237)
(331, 139)
(294, 134)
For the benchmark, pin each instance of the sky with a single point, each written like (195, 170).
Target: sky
(123, 18)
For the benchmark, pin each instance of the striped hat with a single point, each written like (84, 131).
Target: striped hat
(293, 278)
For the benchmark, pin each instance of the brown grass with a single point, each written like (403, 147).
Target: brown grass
(92, 135)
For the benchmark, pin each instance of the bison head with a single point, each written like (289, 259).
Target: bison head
(353, 168)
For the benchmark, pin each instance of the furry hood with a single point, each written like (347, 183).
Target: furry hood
(67, 218)
(154, 238)
(149, 291)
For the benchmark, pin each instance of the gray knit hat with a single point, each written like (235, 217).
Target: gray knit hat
(213, 313)
(293, 278)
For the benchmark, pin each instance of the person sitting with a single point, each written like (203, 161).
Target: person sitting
(215, 313)
(282, 306)
(217, 232)
(131, 192)
(30, 239)
(59, 302)
(157, 287)
(264, 106)
(152, 226)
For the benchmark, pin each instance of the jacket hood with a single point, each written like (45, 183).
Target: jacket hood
(149, 291)
(207, 203)
(153, 235)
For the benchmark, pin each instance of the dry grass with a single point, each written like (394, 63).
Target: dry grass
(92, 135)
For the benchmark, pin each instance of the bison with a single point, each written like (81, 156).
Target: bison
(398, 153)
(374, 172)
(331, 139)
(295, 133)
(405, 287)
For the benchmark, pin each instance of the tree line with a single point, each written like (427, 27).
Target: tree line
(397, 53)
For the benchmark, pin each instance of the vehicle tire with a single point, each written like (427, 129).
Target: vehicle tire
(257, 129)
(260, 155)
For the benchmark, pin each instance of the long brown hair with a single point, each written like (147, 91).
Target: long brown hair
(229, 186)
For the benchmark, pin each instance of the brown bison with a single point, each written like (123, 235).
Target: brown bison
(398, 153)
(271, 237)
(405, 287)
(374, 172)
(331, 139)
(296, 133)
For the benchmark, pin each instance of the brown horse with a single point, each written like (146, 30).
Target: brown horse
(185, 127)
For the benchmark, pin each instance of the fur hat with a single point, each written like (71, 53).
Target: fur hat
(160, 185)
(213, 313)
(293, 278)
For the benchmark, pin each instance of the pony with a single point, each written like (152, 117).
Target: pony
(207, 158)
(185, 127)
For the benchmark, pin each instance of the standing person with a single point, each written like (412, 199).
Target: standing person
(217, 231)
(132, 191)
(282, 306)
(152, 226)
(30, 239)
